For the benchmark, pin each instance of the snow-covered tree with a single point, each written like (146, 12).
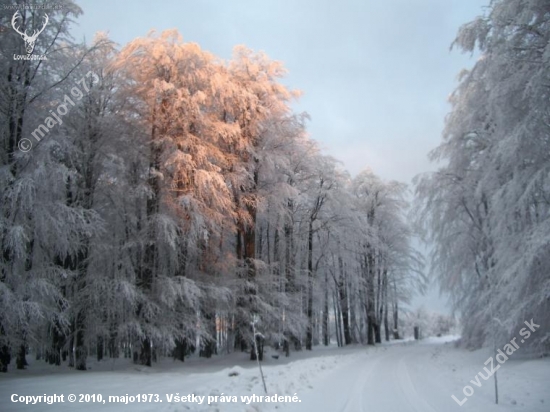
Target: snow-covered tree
(175, 197)
(39, 228)
(487, 208)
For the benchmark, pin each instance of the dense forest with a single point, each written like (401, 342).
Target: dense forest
(157, 199)
(487, 210)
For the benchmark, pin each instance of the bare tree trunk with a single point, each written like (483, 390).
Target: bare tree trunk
(99, 348)
(337, 319)
(290, 271)
(309, 310)
(395, 314)
(21, 360)
(179, 351)
(146, 356)
(370, 310)
(379, 308)
(81, 352)
(326, 334)
(342, 285)
(353, 328)
(147, 274)
(5, 357)
(71, 351)
(385, 295)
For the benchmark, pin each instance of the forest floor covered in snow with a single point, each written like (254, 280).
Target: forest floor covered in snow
(406, 376)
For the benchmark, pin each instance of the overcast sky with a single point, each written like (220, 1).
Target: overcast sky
(375, 74)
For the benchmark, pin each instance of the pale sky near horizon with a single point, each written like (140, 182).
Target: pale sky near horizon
(375, 74)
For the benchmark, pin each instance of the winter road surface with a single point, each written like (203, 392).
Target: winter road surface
(404, 377)
(421, 377)
(391, 379)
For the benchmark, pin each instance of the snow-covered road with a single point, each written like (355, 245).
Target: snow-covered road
(421, 377)
(413, 376)
(381, 380)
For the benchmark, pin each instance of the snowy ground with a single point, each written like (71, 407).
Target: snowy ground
(410, 376)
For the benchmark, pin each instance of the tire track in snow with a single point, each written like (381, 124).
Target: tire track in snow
(355, 400)
(379, 380)
(408, 389)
